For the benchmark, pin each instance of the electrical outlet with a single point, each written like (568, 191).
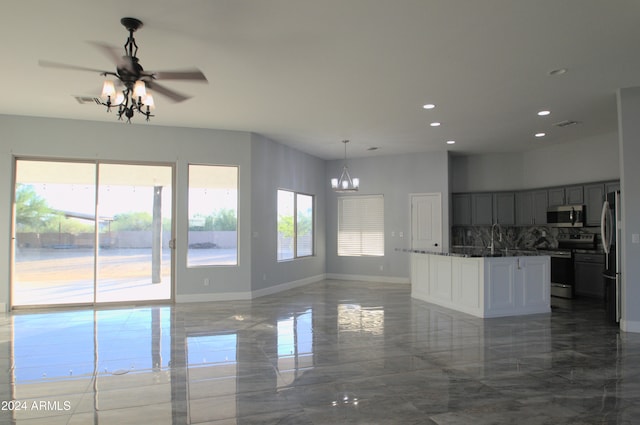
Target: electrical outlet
(264, 276)
(206, 281)
(381, 267)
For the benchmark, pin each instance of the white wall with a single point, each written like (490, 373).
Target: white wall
(276, 166)
(588, 160)
(629, 129)
(28, 137)
(395, 177)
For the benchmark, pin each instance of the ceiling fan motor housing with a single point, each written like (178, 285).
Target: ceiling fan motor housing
(131, 24)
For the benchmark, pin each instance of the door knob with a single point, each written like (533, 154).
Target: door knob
(435, 244)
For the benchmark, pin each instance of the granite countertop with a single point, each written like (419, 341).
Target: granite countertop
(477, 252)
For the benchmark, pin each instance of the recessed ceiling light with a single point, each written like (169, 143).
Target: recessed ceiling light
(558, 71)
(451, 142)
(540, 134)
(544, 113)
(428, 106)
(435, 124)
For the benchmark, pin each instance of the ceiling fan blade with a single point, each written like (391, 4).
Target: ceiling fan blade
(49, 64)
(171, 94)
(191, 74)
(109, 51)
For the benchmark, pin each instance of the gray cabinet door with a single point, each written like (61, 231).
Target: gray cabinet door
(593, 196)
(504, 208)
(556, 196)
(461, 209)
(481, 209)
(588, 279)
(540, 206)
(524, 208)
(574, 195)
(531, 207)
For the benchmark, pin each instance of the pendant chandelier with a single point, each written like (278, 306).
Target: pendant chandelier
(345, 183)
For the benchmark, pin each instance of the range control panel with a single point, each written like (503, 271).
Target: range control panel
(578, 240)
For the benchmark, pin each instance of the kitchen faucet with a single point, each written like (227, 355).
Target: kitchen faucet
(493, 226)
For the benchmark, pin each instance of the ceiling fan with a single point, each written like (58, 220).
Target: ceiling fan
(132, 80)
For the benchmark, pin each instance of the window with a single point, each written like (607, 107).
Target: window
(361, 226)
(213, 215)
(295, 225)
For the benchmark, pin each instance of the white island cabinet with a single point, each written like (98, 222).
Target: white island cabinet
(483, 286)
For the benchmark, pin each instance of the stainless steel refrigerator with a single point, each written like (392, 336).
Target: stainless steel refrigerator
(610, 230)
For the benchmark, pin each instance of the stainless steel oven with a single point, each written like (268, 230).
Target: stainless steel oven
(562, 278)
(562, 267)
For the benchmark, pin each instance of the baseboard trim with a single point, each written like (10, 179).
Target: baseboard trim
(286, 286)
(381, 279)
(630, 326)
(249, 295)
(222, 296)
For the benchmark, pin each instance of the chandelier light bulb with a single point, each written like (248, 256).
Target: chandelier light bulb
(140, 89)
(148, 101)
(119, 98)
(108, 89)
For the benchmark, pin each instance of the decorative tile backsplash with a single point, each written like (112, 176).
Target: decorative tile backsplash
(513, 237)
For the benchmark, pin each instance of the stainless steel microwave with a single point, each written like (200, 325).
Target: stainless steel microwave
(566, 216)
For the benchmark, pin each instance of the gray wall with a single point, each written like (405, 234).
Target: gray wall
(29, 137)
(276, 166)
(629, 129)
(588, 160)
(395, 177)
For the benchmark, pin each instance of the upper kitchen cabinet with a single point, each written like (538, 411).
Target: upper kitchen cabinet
(482, 209)
(593, 196)
(504, 208)
(611, 187)
(570, 195)
(461, 209)
(574, 195)
(531, 207)
(556, 196)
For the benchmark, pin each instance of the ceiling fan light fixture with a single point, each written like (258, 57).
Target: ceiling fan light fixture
(126, 88)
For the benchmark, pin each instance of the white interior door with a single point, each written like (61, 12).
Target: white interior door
(426, 222)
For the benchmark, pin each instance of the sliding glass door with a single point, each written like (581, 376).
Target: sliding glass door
(134, 258)
(87, 232)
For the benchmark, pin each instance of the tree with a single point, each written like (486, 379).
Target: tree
(225, 219)
(285, 226)
(137, 220)
(33, 214)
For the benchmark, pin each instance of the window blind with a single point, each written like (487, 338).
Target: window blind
(361, 225)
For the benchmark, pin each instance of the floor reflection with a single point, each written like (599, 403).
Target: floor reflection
(332, 352)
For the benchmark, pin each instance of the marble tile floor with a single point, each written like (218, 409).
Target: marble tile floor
(333, 352)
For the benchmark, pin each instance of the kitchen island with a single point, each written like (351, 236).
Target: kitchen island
(485, 285)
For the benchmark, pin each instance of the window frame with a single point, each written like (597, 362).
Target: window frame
(295, 225)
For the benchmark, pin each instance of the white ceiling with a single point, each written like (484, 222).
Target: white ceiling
(310, 73)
